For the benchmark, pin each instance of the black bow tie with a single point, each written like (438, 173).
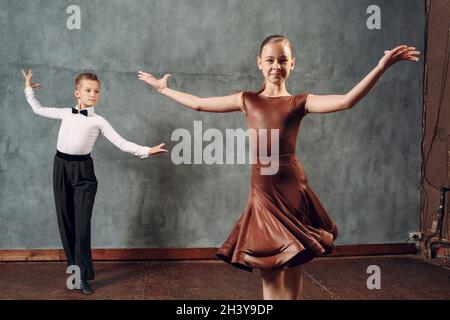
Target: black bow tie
(83, 112)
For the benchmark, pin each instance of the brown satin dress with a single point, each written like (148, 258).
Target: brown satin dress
(284, 224)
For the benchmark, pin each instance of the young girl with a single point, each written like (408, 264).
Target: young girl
(284, 224)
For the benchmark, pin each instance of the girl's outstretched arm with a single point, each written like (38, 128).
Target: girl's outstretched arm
(333, 103)
(213, 104)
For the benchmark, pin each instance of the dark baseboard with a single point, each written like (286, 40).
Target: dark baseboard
(191, 253)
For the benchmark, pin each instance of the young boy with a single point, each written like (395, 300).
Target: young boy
(74, 181)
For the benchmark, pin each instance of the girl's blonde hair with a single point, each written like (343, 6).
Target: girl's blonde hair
(274, 39)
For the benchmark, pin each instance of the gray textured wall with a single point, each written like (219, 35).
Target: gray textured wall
(364, 164)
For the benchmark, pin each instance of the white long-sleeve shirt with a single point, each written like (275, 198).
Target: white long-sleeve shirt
(78, 133)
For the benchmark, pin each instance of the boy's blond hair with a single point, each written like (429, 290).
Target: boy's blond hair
(86, 76)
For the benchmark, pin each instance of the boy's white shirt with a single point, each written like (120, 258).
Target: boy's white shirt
(78, 133)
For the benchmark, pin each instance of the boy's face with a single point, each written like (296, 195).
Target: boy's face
(87, 93)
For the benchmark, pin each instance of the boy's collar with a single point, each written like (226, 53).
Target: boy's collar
(90, 110)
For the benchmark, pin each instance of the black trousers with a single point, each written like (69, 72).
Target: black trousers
(74, 187)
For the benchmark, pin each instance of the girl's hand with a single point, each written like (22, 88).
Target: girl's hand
(398, 54)
(159, 85)
(157, 149)
(28, 81)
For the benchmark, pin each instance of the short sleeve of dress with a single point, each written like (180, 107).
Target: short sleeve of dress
(306, 94)
(243, 97)
(301, 104)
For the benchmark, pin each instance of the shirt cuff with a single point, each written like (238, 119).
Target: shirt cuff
(143, 152)
(28, 90)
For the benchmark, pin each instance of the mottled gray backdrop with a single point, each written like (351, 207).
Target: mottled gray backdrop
(364, 164)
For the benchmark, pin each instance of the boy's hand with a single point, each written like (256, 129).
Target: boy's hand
(159, 85)
(397, 54)
(157, 149)
(28, 81)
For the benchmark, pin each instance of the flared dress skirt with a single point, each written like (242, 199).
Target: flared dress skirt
(283, 224)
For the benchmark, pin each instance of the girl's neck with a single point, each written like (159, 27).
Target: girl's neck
(272, 90)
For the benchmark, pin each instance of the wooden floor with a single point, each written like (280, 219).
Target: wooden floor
(402, 277)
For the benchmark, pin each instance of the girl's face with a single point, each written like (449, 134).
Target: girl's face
(276, 62)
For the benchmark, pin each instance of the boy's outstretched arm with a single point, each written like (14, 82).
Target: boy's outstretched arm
(33, 101)
(213, 104)
(333, 103)
(126, 146)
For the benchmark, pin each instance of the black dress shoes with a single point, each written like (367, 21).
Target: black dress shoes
(86, 288)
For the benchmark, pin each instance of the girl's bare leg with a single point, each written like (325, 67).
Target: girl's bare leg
(293, 283)
(273, 283)
(282, 284)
